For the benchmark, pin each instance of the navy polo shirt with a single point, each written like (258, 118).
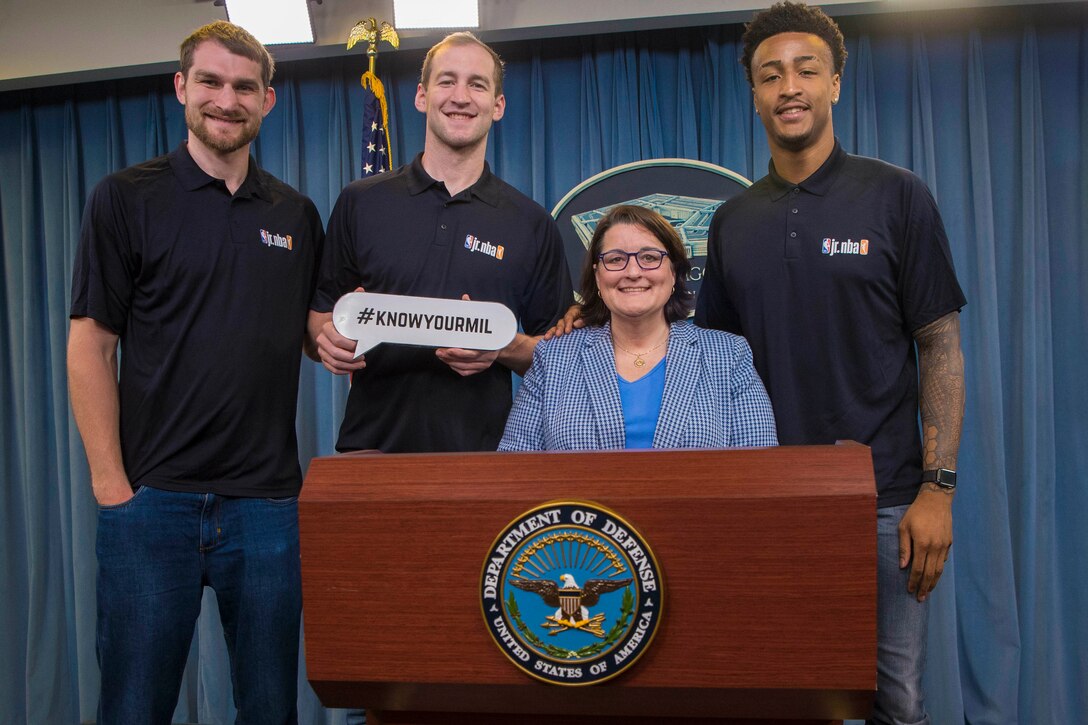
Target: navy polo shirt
(828, 279)
(402, 233)
(209, 294)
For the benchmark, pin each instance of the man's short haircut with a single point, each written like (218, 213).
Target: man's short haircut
(682, 300)
(790, 17)
(462, 38)
(233, 38)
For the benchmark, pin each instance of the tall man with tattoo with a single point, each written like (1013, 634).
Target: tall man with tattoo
(838, 271)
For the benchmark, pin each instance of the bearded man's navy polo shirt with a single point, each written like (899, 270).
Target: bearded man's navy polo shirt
(209, 293)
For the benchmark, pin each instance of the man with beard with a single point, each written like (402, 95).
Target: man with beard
(838, 271)
(420, 230)
(200, 266)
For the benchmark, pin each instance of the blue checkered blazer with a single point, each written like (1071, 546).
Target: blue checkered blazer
(570, 399)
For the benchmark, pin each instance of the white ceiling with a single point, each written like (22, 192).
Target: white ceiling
(63, 41)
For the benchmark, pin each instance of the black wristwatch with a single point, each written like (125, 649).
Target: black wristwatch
(943, 477)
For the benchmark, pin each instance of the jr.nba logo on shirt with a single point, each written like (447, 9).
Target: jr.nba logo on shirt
(282, 241)
(832, 246)
(473, 244)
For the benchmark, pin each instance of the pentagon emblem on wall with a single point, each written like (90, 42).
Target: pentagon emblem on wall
(684, 191)
(571, 593)
(688, 215)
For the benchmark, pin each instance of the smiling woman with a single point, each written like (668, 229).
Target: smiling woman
(638, 375)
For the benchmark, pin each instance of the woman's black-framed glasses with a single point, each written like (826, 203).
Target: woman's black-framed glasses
(616, 260)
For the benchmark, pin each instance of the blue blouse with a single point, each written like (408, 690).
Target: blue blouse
(641, 402)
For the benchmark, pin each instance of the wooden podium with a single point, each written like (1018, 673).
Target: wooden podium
(767, 555)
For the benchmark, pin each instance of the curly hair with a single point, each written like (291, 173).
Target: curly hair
(235, 39)
(682, 300)
(791, 17)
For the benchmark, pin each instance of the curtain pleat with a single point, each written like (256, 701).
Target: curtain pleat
(590, 119)
(1032, 457)
(865, 96)
(74, 481)
(652, 142)
(986, 600)
(623, 121)
(538, 140)
(687, 115)
(1068, 157)
(155, 137)
(711, 97)
(923, 150)
(44, 352)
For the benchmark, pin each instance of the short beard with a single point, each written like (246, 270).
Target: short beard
(194, 120)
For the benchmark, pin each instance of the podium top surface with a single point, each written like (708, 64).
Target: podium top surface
(844, 469)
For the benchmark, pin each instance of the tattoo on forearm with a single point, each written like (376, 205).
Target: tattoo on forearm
(941, 394)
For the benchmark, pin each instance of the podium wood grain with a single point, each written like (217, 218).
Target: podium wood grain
(768, 558)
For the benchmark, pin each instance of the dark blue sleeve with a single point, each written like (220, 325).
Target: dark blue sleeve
(928, 288)
(548, 294)
(106, 264)
(339, 270)
(713, 310)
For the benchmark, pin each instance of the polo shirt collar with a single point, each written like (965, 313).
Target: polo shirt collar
(818, 183)
(486, 188)
(192, 177)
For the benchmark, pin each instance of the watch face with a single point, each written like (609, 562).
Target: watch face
(943, 477)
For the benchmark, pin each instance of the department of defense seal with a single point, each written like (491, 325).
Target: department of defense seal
(571, 593)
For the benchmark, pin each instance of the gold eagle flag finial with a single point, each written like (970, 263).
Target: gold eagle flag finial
(372, 33)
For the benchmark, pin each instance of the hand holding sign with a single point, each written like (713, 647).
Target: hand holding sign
(371, 319)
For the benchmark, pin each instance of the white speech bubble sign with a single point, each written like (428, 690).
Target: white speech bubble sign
(371, 319)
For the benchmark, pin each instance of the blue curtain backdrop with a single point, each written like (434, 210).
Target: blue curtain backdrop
(990, 108)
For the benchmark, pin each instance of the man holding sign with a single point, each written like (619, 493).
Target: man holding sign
(442, 226)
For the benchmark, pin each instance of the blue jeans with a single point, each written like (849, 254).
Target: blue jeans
(900, 632)
(156, 553)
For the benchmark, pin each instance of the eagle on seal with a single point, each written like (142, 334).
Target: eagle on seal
(570, 599)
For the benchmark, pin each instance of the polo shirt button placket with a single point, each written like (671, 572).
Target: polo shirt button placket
(442, 235)
(792, 248)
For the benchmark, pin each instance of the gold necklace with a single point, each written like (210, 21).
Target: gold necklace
(639, 362)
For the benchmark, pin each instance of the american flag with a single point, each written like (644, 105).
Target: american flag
(376, 158)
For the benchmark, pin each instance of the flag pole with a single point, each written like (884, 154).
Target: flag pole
(377, 149)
